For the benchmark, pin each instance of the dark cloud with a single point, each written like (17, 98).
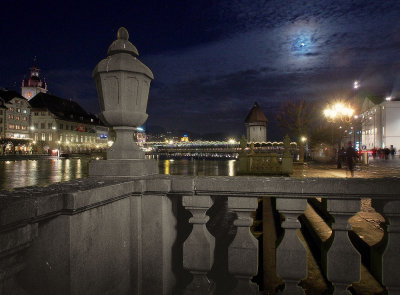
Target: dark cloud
(213, 59)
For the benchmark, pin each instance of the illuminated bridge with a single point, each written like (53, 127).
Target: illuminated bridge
(207, 149)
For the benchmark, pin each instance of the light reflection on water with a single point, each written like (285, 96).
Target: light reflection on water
(46, 171)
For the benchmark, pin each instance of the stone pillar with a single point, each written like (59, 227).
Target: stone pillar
(343, 260)
(198, 249)
(123, 84)
(388, 266)
(158, 235)
(291, 256)
(13, 244)
(243, 251)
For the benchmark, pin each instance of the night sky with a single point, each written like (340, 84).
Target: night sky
(211, 59)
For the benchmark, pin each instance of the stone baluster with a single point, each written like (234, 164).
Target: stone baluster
(343, 260)
(390, 260)
(291, 256)
(198, 249)
(243, 251)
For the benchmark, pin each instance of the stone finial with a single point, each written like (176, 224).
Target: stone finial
(123, 33)
(122, 44)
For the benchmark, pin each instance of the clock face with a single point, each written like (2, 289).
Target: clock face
(28, 94)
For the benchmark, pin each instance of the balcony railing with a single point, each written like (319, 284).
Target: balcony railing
(186, 235)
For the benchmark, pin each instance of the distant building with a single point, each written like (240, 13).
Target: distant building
(185, 138)
(3, 110)
(380, 119)
(14, 121)
(34, 84)
(61, 124)
(256, 125)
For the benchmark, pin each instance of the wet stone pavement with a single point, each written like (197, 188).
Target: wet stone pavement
(376, 168)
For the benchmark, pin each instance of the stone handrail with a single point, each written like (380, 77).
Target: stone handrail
(133, 235)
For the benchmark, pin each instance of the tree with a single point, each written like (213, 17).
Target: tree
(297, 118)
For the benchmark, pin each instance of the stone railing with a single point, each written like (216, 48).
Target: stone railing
(182, 235)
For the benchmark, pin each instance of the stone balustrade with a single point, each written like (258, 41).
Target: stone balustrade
(157, 235)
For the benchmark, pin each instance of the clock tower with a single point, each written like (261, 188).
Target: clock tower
(33, 85)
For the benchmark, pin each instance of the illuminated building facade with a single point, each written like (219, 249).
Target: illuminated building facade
(3, 110)
(14, 122)
(380, 119)
(256, 125)
(34, 84)
(63, 125)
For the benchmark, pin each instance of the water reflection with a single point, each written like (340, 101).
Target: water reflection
(200, 167)
(46, 171)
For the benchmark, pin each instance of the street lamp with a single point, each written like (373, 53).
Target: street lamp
(339, 112)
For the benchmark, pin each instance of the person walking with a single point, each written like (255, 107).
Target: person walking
(341, 157)
(351, 155)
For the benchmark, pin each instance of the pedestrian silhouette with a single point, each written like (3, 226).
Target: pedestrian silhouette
(351, 155)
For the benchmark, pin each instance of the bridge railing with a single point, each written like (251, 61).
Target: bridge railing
(182, 235)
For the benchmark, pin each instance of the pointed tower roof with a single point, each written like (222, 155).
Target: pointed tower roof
(256, 115)
(34, 79)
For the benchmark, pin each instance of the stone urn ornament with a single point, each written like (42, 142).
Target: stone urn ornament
(123, 84)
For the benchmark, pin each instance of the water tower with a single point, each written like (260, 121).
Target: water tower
(256, 125)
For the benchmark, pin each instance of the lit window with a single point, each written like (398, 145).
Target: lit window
(43, 136)
(17, 118)
(50, 136)
(36, 137)
(18, 127)
(18, 110)
(24, 111)
(11, 126)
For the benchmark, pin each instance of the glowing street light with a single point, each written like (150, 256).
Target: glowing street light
(356, 84)
(339, 111)
(389, 98)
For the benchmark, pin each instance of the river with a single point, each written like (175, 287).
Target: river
(42, 172)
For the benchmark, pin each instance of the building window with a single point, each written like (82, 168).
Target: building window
(36, 136)
(77, 138)
(60, 138)
(42, 125)
(49, 125)
(36, 113)
(18, 127)
(35, 125)
(24, 118)
(44, 136)
(81, 138)
(66, 127)
(18, 110)
(23, 127)
(43, 113)
(17, 118)
(10, 116)
(11, 126)
(50, 136)
(11, 109)
(24, 111)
